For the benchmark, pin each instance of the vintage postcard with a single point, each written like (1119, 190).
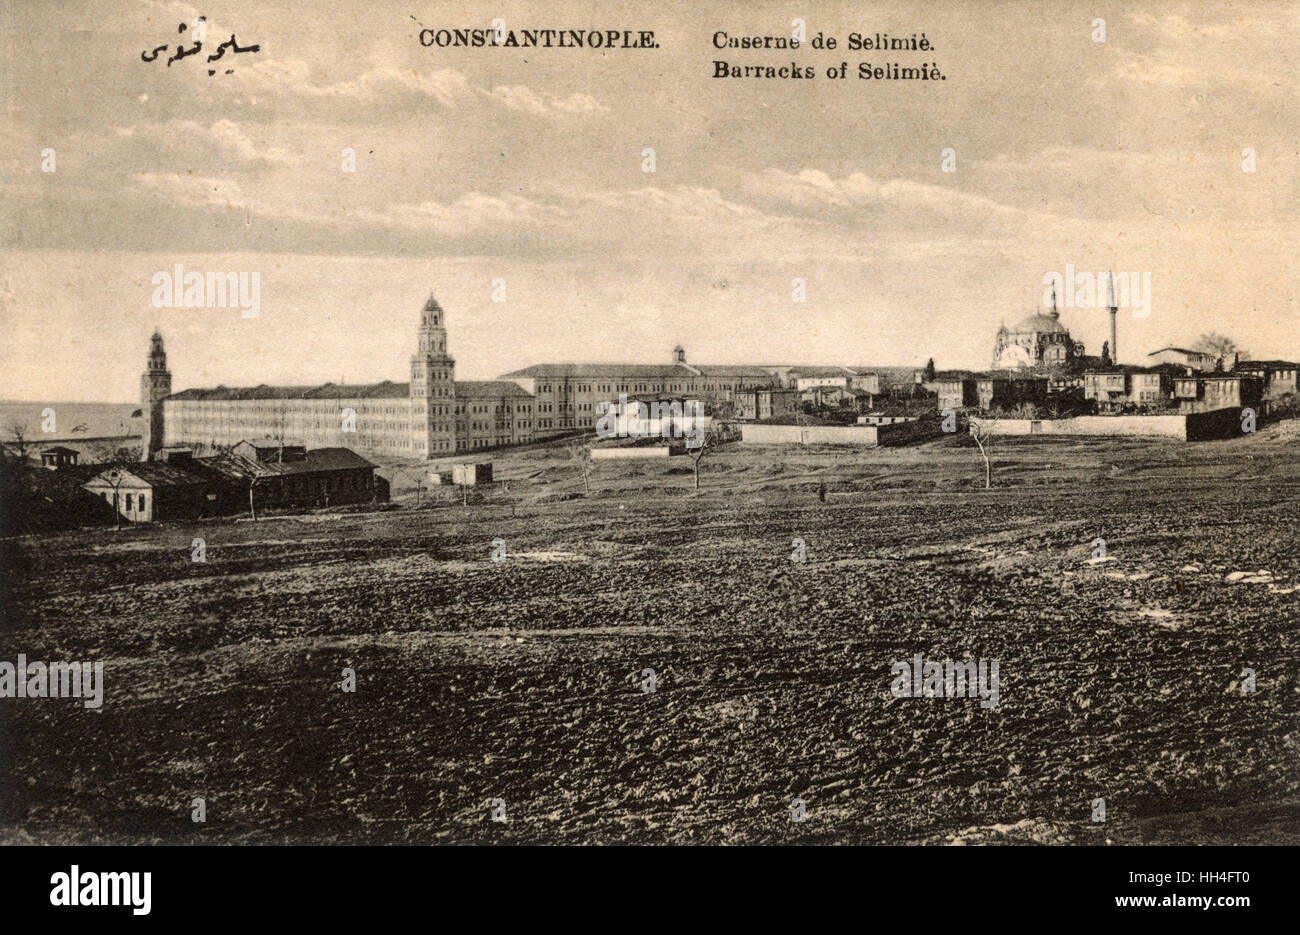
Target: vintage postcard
(650, 423)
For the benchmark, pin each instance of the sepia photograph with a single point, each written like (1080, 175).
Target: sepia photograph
(608, 423)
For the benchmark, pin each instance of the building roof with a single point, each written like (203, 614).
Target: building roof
(322, 459)
(1181, 350)
(731, 370)
(1038, 322)
(1266, 365)
(559, 371)
(325, 391)
(817, 371)
(385, 390)
(1013, 375)
(596, 371)
(489, 389)
(228, 468)
(900, 374)
(1133, 368)
(59, 450)
(153, 474)
(945, 376)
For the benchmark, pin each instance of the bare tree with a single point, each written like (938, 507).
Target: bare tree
(580, 455)
(713, 438)
(1220, 345)
(19, 432)
(252, 486)
(116, 477)
(279, 423)
(418, 477)
(105, 452)
(984, 430)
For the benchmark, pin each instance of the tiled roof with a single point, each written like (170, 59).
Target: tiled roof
(942, 376)
(155, 474)
(594, 371)
(228, 468)
(898, 374)
(1133, 368)
(233, 467)
(732, 370)
(816, 371)
(385, 390)
(1266, 364)
(322, 459)
(487, 389)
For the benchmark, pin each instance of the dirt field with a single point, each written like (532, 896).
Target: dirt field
(521, 680)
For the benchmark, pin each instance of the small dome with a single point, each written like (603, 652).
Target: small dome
(432, 304)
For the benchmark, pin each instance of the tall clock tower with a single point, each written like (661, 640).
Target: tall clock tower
(433, 387)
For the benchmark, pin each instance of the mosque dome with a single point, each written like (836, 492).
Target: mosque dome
(1043, 324)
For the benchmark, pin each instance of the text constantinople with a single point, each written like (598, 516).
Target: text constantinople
(502, 38)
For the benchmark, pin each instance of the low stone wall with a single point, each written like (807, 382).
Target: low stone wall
(755, 434)
(907, 433)
(641, 451)
(1222, 423)
(1132, 426)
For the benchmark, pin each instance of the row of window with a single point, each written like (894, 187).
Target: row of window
(566, 389)
(141, 501)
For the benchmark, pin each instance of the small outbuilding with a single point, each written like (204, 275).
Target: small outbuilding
(149, 491)
(59, 456)
(472, 475)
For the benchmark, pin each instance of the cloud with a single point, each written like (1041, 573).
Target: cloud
(812, 190)
(290, 87)
(222, 145)
(527, 101)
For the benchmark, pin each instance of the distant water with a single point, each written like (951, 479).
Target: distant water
(72, 421)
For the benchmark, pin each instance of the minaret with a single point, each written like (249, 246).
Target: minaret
(433, 387)
(155, 386)
(1114, 308)
(1055, 312)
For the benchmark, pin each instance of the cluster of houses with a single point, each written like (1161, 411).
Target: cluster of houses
(1191, 381)
(250, 476)
(1174, 379)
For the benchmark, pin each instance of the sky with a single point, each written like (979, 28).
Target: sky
(481, 166)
